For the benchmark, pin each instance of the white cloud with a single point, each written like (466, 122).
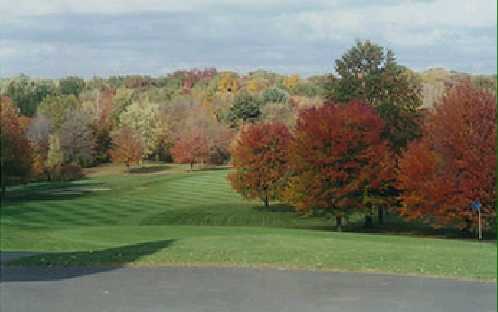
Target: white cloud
(43, 7)
(406, 23)
(450, 12)
(47, 36)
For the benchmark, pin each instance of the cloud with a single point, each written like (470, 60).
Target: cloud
(57, 37)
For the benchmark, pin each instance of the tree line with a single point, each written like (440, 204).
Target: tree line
(355, 139)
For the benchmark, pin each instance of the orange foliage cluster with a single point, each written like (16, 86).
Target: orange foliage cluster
(191, 149)
(260, 157)
(128, 147)
(455, 161)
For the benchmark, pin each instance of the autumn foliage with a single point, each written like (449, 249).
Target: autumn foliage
(192, 148)
(455, 161)
(16, 154)
(127, 147)
(259, 156)
(336, 157)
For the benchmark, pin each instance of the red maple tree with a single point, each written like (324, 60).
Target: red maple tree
(259, 157)
(16, 155)
(454, 163)
(336, 157)
(191, 148)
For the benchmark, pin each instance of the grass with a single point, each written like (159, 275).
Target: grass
(173, 198)
(165, 216)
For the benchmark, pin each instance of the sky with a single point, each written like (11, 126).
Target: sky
(56, 38)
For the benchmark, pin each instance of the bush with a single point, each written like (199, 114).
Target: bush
(66, 173)
(218, 156)
(71, 172)
(275, 95)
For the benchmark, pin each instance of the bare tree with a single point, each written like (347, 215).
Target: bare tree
(77, 140)
(38, 132)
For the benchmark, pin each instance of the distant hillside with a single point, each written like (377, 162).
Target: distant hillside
(436, 80)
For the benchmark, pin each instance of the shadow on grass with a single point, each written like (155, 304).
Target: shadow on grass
(275, 208)
(149, 169)
(51, 191)
(64, 265)
(407, 228)
(396, 225)
(214, 168)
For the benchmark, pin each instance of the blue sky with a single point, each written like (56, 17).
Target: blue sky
(54, 38)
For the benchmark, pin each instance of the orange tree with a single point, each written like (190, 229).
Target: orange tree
(337, 157)
(127, 147)
(16, 154)
(191, 148)
(259, 157)
(455, 161)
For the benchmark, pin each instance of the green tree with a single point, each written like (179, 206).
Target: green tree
(142, 116)
(275, 95)
(55, 108)
(55, 156)
(28, 94)
(370, 73)
(120, 102)
(71, 85)
(245, 107)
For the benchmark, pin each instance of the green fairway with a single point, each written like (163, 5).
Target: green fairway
(174, 197)
(165, 216)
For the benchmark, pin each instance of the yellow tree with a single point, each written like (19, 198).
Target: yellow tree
(291, 81)
(228, 83)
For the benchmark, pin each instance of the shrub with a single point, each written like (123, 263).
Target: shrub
(66, 173)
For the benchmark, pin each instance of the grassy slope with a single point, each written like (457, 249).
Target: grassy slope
(197, 198)
(154, 220)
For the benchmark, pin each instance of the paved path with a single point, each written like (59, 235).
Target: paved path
(7, 256)
(217, 290)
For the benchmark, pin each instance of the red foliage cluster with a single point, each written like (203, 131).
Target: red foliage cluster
(189, 78)
(16, 153)
(260, 158)
(455, 161)
(337, 155)
(191, 149)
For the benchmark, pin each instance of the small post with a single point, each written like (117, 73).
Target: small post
(480, 229)
(476, 206)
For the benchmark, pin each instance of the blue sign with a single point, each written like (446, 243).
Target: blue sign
(476, 206)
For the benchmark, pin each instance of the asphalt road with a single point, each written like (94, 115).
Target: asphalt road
(217, 290)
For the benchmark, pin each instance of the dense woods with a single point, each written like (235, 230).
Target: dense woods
(374, 135)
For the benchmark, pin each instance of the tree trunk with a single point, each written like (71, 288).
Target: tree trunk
(191, 166)
(338, 223)
(3, 190)
(380, 214)
(266, 201)
(368, 221)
